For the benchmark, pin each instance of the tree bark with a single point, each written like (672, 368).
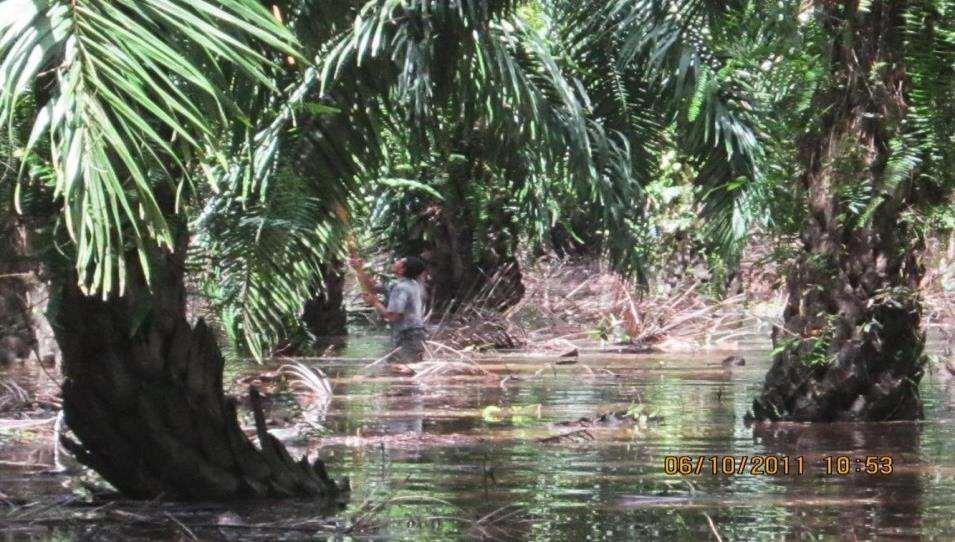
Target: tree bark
(458, 276)
(851, 345)
(24, 293)
(16, 329)
(143, 395)
(324, 315)
(468, 265)
(452, 272)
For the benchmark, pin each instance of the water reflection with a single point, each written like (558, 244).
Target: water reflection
(435, 460)
(887, 504)
(614, 484)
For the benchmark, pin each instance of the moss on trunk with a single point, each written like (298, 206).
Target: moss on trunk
(851, 344)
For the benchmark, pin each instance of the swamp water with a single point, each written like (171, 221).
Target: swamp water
(482, 457)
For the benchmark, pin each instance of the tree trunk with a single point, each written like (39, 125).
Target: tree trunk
(16, 330)
(458, 276)
(143, 395)
(324, 315)
(468, 265)
(452, 272)
(24, 293)
(851, 345)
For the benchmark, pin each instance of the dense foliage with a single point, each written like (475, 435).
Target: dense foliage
(490, 126)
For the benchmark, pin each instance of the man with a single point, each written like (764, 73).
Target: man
(405, 309)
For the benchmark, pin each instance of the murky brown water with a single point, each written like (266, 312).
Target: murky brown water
(431, 460)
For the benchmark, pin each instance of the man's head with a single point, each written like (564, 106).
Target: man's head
(410, 267)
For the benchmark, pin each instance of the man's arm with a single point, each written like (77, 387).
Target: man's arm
(380, 308)
(369, 286)
(367, 283)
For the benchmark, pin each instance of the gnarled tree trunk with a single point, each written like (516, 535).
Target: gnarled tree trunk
(851, 346)
(143, 394)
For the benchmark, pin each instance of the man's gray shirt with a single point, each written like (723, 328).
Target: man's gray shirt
(406, 297)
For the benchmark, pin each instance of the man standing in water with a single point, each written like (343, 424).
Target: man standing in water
(405, 309)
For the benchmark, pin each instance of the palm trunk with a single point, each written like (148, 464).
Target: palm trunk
(851, 346)
(459, 276)
(143, 395)
(324, 315)
(468, 265)
(16, 331)
(24, 293)
(453, 275)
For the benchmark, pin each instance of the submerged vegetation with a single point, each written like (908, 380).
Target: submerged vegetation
(182, 181)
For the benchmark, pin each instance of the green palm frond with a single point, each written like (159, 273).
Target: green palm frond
(475, 75)
(928, 138)
(707, 78)
(259, 263)
(125, 92)
(693, 52)
(471, 59)
(264, 238)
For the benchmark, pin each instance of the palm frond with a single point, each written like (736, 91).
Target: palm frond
(259, 263)
(124, 92)
(690, 50)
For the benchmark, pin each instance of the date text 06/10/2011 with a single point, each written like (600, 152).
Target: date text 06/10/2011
(775, 465)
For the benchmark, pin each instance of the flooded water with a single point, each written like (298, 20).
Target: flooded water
(486, 456)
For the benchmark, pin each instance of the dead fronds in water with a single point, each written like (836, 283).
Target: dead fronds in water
(434, 349)
(310, 380)
(24, 424)
(479, 328)
(569, 301)
(436, 363)
(479, 324)
(12, 395)
(433, 369)
(713, 529)
(579, 435)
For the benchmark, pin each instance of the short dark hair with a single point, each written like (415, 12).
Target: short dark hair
(414, 266)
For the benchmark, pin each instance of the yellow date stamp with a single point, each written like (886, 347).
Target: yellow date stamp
(774, 465)
(732, 465)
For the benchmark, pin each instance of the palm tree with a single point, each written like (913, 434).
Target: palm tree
(870, 86)
(875, 159)
(155, 139)
(487, 129)
(151, 135)
(124, 115)
(872, 94)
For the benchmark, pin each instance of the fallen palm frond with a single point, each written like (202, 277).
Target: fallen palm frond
(578, 435)
(480, 324)
(713, 529)
(19, 425)
(432, 369)
(436, 364)
(480, 328)
(433, 349)
(503, 523)
(311, 380)
(568, 304)
(568, 301)
(12, 395)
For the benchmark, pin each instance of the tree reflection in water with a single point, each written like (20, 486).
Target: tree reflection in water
(865, 505)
